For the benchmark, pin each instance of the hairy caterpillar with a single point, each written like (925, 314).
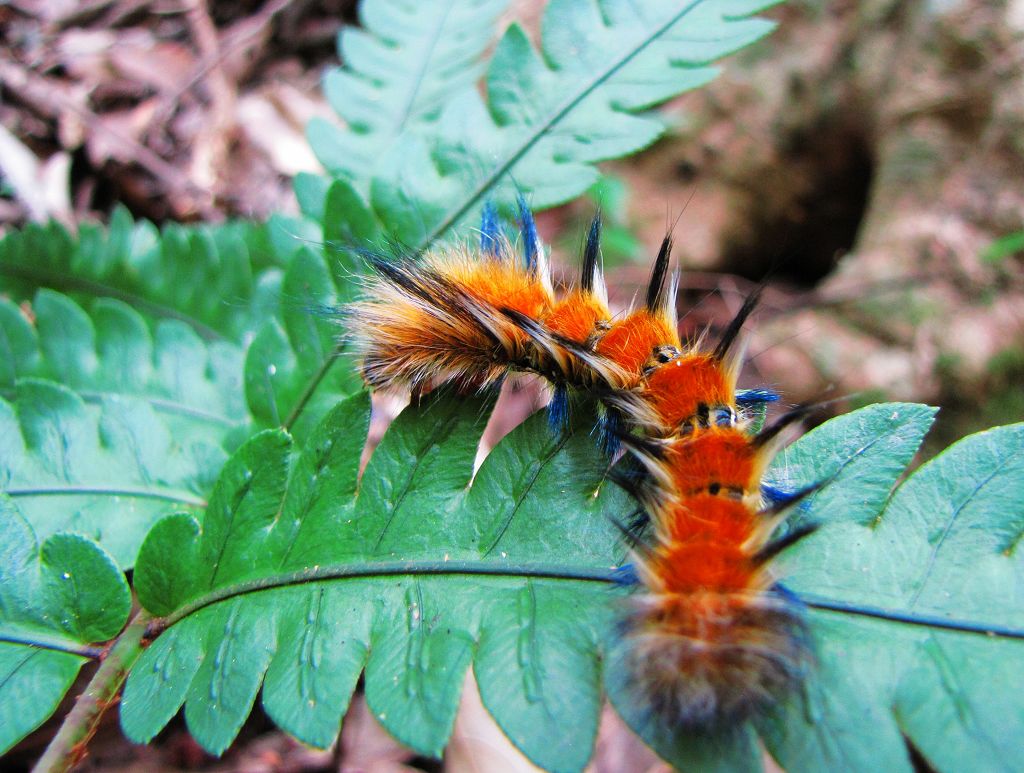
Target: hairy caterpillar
(712, 637)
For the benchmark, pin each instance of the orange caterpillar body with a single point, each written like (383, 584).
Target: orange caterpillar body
(455, 316)
(714, 639)
(711, 636)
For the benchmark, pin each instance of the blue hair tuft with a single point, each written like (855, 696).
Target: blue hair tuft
(490, 231)
(626, 576)
(609, 427)
(528, 230)
(774, 495)
(558, 409)
(747, 397)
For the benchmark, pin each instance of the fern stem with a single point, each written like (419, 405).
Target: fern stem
(68, 747)
(910, 618)
(55, 643)
(606, 575)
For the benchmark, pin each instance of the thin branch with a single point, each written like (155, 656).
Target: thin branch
(237, 42)
(50, 100)
(68, 746)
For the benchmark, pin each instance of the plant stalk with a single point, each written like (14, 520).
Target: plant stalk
(67, 748)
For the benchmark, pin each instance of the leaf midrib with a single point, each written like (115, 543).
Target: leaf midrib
(538, 468)
(68, 282)
(319, 572)
(608, 575)
(172, 407)
(47, 641)
(589, 87)
(950, 522)
(137, 492)
(421, 70)
(909, 618)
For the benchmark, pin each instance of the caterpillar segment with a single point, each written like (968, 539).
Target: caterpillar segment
(712, 637)
(436, 320)
(451, 317)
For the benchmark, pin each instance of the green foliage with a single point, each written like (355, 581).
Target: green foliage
(111, 352)
(107, 471)
(208, 277)
(1004, 247)
(296, 574)
(55, 599)
(941, 551)
(294, 367)
(300, 580)
(401, 67)
(550, 114)
(164, 366)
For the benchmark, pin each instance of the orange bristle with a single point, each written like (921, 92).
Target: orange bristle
(720, 457)
(580, 317)
(705, 519)
(439, 320)
(501, 285)
(712, 642)
(677, 389)
(635, 342)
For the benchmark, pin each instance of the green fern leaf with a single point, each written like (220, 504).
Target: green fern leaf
(924, 625)
(110, 353)
(400, 69)
(107, 470)
(296, 574)
(550, 115)
(162, 388)
(207, 277)
(55, 600)
(295, 370)
(299, 579)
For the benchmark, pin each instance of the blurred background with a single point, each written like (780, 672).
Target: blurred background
(867, 159)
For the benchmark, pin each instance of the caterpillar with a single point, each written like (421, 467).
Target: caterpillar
(712, 638)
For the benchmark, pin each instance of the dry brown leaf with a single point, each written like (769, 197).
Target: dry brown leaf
(106, 140)
(85, 53)
(477, 744)
(264, 118)
(163, 65)
(366, 746)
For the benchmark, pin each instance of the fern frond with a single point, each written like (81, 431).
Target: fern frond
(400, 68)
(550, 115)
